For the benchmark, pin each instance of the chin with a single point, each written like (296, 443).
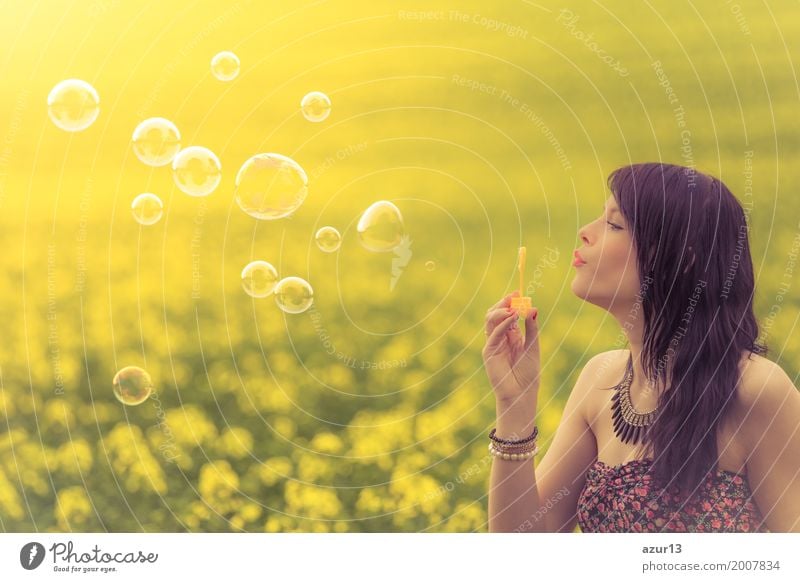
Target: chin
(578, 288)
(580, 291)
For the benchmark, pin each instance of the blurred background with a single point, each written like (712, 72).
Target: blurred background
(488, 126)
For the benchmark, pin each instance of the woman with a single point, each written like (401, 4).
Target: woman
(688, 427)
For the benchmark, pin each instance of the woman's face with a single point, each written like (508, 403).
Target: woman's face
(609, 278)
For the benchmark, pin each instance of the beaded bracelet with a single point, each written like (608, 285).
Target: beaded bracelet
(519, 449)
(514, 442)
(514, 449)
(512, 456)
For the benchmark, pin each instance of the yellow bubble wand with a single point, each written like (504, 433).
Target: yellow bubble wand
(521, 304)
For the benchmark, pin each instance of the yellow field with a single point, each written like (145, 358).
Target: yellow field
(490, 127)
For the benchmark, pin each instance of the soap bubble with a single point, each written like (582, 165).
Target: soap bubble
(156, 141)
(132, 385)
(73, 105)
(196, 171)
(147, 208)
(225, 66)
(380, 228)
(293, 295)
(259, 278)
(430, 266)
(316, 106)
(328, 239)
(270, 186)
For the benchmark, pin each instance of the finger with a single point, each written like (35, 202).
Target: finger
(514, 335)
(498, 334)
(494, 317)
(531, 328)
(504, 302)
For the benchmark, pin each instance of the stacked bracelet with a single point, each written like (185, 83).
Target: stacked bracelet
(514, 450)
(527, 439)
(517, 456)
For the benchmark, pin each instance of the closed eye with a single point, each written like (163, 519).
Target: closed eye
(613, 226)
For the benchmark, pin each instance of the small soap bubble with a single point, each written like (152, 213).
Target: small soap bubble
(293, 295)
(259, 279)
(270, 186)
(225, 66)
(316, 106)
(147, 209)
(132, 385)
(196, 171)
(430, 266)
(156, 141)
(73, 105)
(380, 228)
(328, 239)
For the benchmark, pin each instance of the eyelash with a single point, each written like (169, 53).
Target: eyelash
(614, 226)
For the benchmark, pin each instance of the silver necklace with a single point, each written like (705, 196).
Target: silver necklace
(629, 425)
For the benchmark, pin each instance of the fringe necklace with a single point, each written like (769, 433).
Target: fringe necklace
(630, 426)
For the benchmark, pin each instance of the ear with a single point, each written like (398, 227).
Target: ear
(691, 260)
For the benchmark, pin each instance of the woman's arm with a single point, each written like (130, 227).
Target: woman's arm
(771, 432)
(519, 495)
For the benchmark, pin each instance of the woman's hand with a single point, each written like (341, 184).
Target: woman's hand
(511, 361)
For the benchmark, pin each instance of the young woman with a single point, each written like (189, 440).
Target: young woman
(687, 427)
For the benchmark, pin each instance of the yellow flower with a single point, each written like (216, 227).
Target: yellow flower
(278, 522)
(285, 426)
(190, 426)
(73, 509)
(58, 414)
(250, 512)
(132, 460)
(236, 442)
(10, 501)
(218, 483)
(311, 501)
(74, 457)
(467, 517)
(417, 492)
(275, 469)
(326, 442)
(373, 501)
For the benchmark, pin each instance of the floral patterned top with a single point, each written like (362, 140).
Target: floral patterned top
(622, 498)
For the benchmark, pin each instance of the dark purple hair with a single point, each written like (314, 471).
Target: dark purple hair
(691, 240)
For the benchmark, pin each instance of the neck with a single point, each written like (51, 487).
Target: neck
(643, 389)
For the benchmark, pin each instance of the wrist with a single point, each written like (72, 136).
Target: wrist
(522, 404)
(515, 421)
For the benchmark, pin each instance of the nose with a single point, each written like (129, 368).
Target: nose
(582, 236)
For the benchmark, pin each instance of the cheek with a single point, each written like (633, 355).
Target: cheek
(619, 257)
(615, 255)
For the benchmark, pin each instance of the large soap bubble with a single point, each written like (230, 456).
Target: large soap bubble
(380, 228)
(73, 105)
(328, 239)
(147, 209)
(196, 171)
(293, 295)
(156, 141)
(132, 385)
(316, 106)
(259, 279)
(270, 186)
(225, 66)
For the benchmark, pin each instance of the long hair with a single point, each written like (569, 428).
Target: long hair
(691, 239)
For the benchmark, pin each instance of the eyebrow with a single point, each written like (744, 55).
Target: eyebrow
(613, 210)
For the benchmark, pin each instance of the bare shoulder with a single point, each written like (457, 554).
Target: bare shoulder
(762, 389)
(604, 368)
(602, 371)
(762, 384)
